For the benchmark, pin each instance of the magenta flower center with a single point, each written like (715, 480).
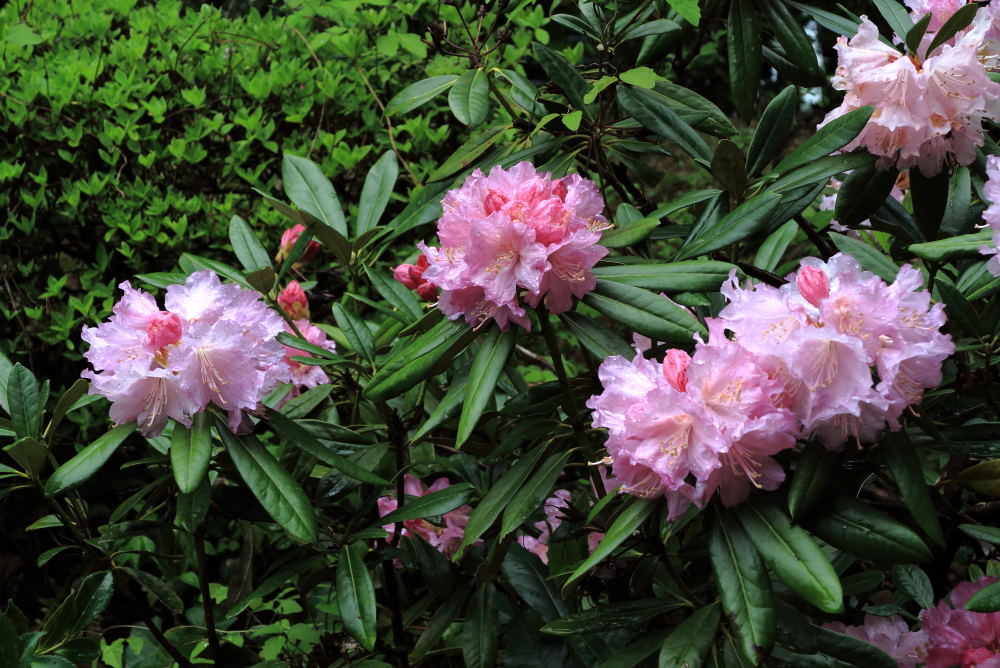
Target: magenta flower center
(164, 329)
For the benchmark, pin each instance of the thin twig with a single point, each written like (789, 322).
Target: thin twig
(537, 359)
(822, 246)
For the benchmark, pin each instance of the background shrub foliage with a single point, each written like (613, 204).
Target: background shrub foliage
(138, 138)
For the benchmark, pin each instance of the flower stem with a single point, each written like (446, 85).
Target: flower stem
(569, 401)
(199, 549)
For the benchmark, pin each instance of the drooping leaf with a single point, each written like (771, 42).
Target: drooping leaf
(439, 623)
(689, 644)
(417, 94)
(813, 477)
(831, 137)
(431, 505)
(862, 193)
(644, 312)
(745, 59)
(375, 194)
(191, 452)
(489, 363)
(356, 598)
(480, 637)
(772, 130)
(88, 461)
(773, 248)
(529, 577)
(729, 168)
(655, 115)
(958, 308)
(743, 222)
(909, 476)
(469, 97)
(310, 190)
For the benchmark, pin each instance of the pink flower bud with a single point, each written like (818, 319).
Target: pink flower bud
(412, 276)
(288, 240)
(559, 189)
(428, 291)
(164, 329)
(675, 369)
(814, 286)
(293, 301)
(494, 201)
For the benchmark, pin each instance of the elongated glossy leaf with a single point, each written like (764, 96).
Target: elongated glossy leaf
(610, 617)
(23, 400)
(772, 130)
(819, 171)
(634, 654)
(697, 111)
(419, 359)
(862, 193)
(869, 258)
(417, 94)
(88, 461)
(469, 98)
(833, 136)
(274, 581)
(629, 234)
(439, 623)
(744, 584)
(743, 222)
(790, 35)
(574, 86)
(630, 519)
(955, 248)
(191, 452)
(656, 27)
(356, 598)
(652, 111)
(450, 406)
(247, 246)
(986, 599)
(909, 476)
(860, 531)
(500, 495)
(297, 434)
(896, 15)
(395, 293)
(490, 360)
(982, 478)
(65, 404)
(852, 651)
(644, 312)
(772, 250)
(530, 579)
(912, 581)
(729, 168)
(958, 308)
(983, 533)
(813, 477)
(375, 194)
(157, 588)
(356, 331)
(467, 153)
(532, 494)
(278, 492)
(745, 59)
(480, 637)
(599, 341)
(432, 505)
(690, 643)
(310, 190)
(960, 20)
(792, 554)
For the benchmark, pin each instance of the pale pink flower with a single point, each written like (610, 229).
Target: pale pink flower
(412, 276)
(445, 539)
(957, 637)
(306, 375)
(293, 301)
(940, 11)
(992, 213)
(891, 635)
(477, 309)
(288, 240)
(503, 256)
(570, 261)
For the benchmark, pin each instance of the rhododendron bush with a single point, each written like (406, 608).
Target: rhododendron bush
(531, 410)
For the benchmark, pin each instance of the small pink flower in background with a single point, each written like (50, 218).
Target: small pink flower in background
(446, 539)
(288, 240)
(412, 276)
(992, 213)
(294, 302)
(891, 635)
(553, 519)
(940, 11)
(512, 231)
(305, 375)
(215, 343)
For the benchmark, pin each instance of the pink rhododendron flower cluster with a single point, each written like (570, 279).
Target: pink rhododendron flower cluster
(801, 359)
(447, 538)
(214, 343)
(288, 240)
(293, 301)
(891, 635)
(512, 231)
(412, 276)
(927, 105)
(553, 519)
(992, 213)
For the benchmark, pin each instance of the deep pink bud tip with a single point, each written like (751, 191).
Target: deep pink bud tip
(675, 369)
(814, 286)
(164, 329)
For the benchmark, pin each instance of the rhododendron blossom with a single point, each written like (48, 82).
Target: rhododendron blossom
(891, 635)
(445, 538)
(215, 343)
(801, 358)
(512, 232)
(294, 302)
(554, 507)
(991, 190)
(927, 106)
(958, 637)
(288, 240)
(306, 375)
(412, 276)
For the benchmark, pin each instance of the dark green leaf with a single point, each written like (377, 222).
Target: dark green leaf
(862, 193)
(773, 248)
(644, 312)
(610, 617)
(433, 566)
(690, 643)
(629, 234)
(247, 246)
(629, 519)
(9, 646)
(443, 618)
(310, 190)
(955, 248)
(983, 533)
(431, 505)
(904, 464)
(912, 581)
(574, 86)
(480, 636)
(960, 20)
(729, 168)
(599, 341)
(278, 492)
(417, 94)
(684, 201)
(191, 452)
(813, 478)
(375, 194)
(529, 577)
(854, 528)
(66, 402)
(491, 358)
(532, 494)
(850, 650)
(272, 582)
(745, 59)
(957, 307)
(80, 650)
(792, 554)
(419, 359)
(697, 111)
(29, 453)
(653, 112)
(469, 98)
(929, 195)
(395, 293)
(791, 36)
(982, 478)
(896, 16)
(861, 583)
(869, 258)
(356, 598)
(743, 583)
(467, 153)
(356, 331)
(833, 136)
(819, 171)
(157, 588)
(23, 402)
(916, 34)
(656, 27)
(743, 222)
(450, 406)
(773, 128)
(986, 599)
(88, 461)
(634, 654)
